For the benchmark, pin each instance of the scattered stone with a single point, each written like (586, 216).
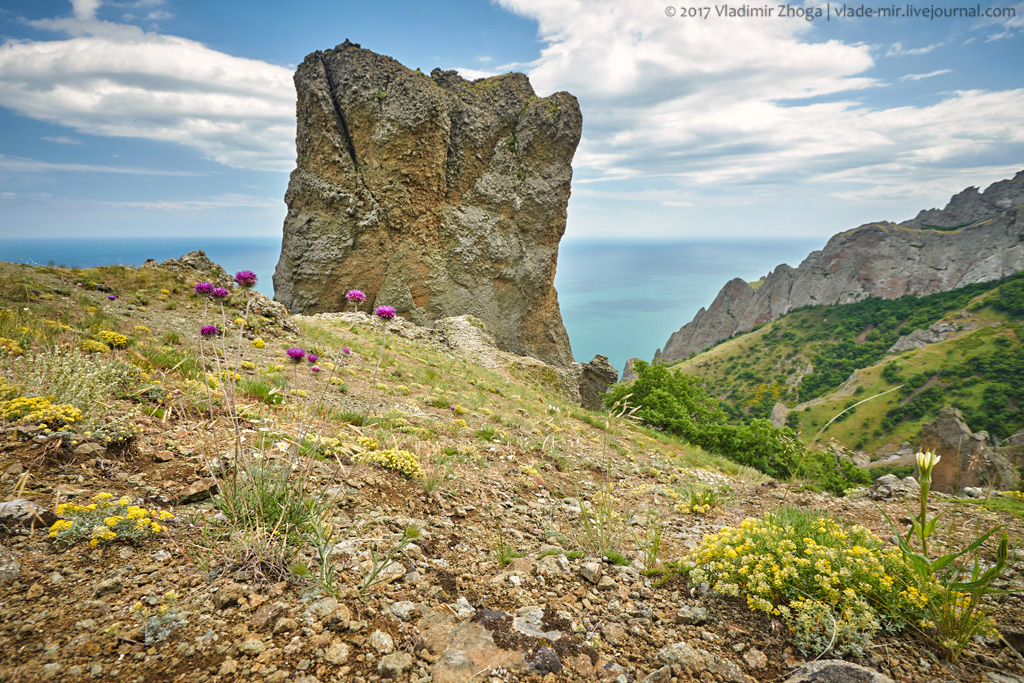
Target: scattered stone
(163, 456)
(90, 450)
(382, 642)
(337, 653)
(394, 665)
(25, 514)
(606, 583)
(694, 616)
(690, 658)
(591, 571)
(836, 671)
(546, 661)
(197, 491)
(34, 592)
(264, 616)
(228, 596)
(9, 565)
(285, 625)
(108, 586)
(528, 621)
(405, 610)
(252, 647)
(662, 675)
(553, 566)
(755, 659)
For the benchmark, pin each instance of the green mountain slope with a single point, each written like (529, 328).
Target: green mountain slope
(822, 360)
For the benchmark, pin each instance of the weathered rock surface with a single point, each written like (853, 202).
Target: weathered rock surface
(918, 339)
(435, 195)
(967, 458)
(595, 378)
(978, 237)
(836, 671)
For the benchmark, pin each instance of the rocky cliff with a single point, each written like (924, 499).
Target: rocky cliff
(435, 195)
(979, 236)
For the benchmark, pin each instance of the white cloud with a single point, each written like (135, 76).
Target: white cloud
(678, 100)
(471, 74)
(85, 9)
(23, 165)
(930, 74)
(117, 80)
(62, 139)
(897, 50)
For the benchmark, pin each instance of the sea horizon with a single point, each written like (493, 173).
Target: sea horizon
(618, 298)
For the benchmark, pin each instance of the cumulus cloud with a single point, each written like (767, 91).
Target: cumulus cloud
(748, 102)
(118, 80)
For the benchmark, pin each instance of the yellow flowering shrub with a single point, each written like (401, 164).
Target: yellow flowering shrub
(831, 583)
(114, 340)
(93, 346)
(248, 365)
(368, 443)
(39, 410)
(403, 462)
(104, 520)
(259, 343)
(10, 347)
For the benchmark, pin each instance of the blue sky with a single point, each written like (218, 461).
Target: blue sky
(176, 117)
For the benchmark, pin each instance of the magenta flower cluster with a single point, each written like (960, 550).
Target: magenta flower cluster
(356, 296)
(345, 350)
(312, 358)
(203, 288)
(209, 330)
(245, 279)
(112, 297)
(296, 354)
(219, 293)
(385, 312)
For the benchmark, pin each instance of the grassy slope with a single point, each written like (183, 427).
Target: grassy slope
(754, 370)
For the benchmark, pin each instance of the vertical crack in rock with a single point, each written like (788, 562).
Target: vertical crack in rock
(436, 195)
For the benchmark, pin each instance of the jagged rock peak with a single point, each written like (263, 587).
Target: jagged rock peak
(977, 237)
(436, 195)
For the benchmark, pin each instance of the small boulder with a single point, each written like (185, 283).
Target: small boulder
(25, 514)
(836, 671)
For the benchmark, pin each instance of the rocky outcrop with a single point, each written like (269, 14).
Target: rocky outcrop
(978, 237)
(595, 378)
(435, 195)
(918, 339)
(968, 460)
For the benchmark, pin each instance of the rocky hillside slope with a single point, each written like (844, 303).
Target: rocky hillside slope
(482, 465)
(435, 195)
(977, 237)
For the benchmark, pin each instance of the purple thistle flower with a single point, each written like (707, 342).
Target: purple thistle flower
(208, 330)
(245, 279)
(356, 296)
(312, 358)
(315, 368)
(112, 297)
(219, 293)
(385, 312)
(296, 354)
(203, 288)
(345, 350)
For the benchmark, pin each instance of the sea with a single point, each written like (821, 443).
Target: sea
(619, 299)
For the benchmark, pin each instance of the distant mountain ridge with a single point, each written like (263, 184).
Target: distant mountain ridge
(977, 237)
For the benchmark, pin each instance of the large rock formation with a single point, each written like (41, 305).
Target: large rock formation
(968, 460)
(435, 195)
(976, 238)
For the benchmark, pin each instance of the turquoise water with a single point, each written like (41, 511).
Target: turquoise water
(618, 299)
